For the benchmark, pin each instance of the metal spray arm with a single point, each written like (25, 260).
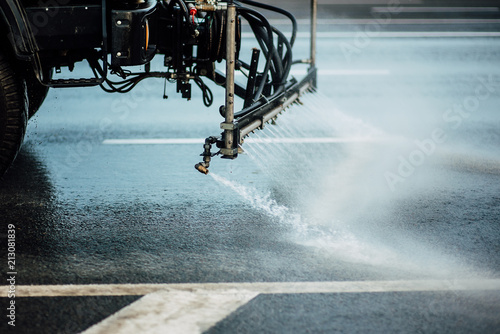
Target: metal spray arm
(265, 109)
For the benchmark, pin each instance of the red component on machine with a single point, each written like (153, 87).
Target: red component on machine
(192, 12)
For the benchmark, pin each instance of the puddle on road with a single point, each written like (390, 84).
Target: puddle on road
(333, 195)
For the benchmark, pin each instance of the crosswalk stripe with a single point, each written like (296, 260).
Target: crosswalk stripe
(192, 308)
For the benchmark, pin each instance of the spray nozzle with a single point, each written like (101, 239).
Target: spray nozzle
(201, 168)
(207, 155)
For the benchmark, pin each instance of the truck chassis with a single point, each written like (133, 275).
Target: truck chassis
(39, 37)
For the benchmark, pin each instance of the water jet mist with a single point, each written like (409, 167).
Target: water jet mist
(331, 193)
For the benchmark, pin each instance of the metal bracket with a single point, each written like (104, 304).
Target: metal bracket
(227, 126)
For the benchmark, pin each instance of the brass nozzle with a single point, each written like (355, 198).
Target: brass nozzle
(200, 168)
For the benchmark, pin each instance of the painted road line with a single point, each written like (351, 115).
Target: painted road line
(394, 21)
(438, 9)
(260, 288)
(199, 141)
(408, 34)
(194, 308)
(318, 140)
(360, 2)
(174, 312)
(396, 34)
(154, 141)
(339, 72)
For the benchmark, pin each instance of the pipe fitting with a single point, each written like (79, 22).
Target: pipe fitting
(201, 168)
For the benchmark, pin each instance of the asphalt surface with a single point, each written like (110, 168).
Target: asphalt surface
(402, 183)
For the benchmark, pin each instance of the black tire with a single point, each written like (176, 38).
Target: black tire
(13, 111)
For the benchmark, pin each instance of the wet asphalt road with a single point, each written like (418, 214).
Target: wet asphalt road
(410, 190)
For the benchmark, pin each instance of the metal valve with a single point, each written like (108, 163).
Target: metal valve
(207, 155)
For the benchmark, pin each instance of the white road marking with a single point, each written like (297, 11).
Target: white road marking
(438, 9)
(265, 288)
(340, 72)
(337, 72)
(194, 308)
(394, 21)
(359, 2)
(189, 141)
(154, 141)
(396, 34)
(174, 312)
(318, 140)
(408, 34)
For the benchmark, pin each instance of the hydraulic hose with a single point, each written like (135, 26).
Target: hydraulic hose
(248, 13)
(278, 10)
(181, 4)
(266, 46)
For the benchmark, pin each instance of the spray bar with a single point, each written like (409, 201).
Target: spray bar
(266, 106)
(273, 108)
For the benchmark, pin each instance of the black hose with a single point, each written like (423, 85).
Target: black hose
(278, 10)
(127, 85)
(263, 41)
(247, 13)
(287, 59)
(208, 97)
(280, 68)
(181, 4)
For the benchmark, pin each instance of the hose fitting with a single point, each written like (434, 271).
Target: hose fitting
(207, 155)
(201, 168)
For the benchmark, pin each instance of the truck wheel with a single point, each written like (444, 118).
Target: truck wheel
(13, 112)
